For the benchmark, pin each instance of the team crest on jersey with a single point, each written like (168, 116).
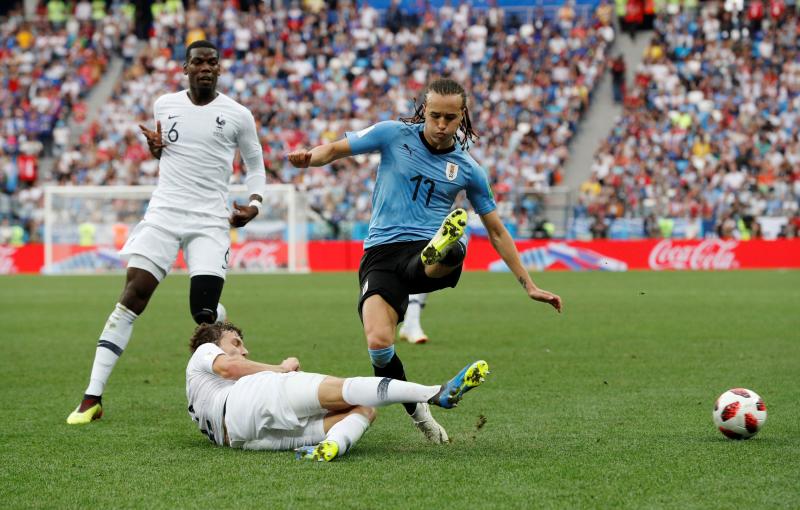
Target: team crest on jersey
(451, 171)
(220, 124)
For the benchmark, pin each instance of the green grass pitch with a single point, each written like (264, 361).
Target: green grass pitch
(605, 406)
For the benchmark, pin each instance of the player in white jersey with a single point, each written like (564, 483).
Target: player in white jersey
(255, 406)
(202, 129)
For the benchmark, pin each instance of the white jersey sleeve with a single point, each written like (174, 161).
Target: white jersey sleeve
(200, 144)
(207, 392)
(253, 156)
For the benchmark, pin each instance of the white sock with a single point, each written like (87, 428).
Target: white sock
(416, 302)
(113, 340)
(348, 431)
(381, 391)
(222, 314)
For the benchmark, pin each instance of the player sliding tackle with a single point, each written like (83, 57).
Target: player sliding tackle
(255, 406)
(409, 249)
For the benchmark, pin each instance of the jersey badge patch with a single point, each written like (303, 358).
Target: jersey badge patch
(218, 132)
(451, 171)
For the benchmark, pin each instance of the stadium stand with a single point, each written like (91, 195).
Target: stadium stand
(308, 76)
(708, 144)
(47, 66)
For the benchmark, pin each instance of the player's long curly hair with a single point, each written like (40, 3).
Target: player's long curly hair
(446, 87)
(211, 334)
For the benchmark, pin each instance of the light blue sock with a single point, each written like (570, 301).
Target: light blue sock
(381, 357)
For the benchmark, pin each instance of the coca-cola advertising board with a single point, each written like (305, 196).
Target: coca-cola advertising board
(72, 259)
(656, 255)
(548, 255)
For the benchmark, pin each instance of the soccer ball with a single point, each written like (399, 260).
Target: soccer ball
(739, 413)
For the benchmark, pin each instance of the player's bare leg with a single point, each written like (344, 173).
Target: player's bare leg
(380, 323)
(139, 288)
(343, 428)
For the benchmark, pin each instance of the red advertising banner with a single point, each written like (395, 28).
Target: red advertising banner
(21, 259)
(656, 255)
(67, 259)
(546, 255)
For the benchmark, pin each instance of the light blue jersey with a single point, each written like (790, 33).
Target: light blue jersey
(416, 184)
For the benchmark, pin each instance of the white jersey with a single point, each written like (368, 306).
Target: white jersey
(207, 392)
(200, 144)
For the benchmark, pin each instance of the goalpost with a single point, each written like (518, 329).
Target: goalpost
(85, 226)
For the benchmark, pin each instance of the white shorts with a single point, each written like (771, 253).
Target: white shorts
(271, 411)
(154, 243)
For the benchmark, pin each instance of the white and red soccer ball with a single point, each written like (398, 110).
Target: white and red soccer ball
(739, 413)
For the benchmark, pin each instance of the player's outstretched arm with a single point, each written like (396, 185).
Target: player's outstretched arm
(504, 246)
(320, 155)
(236, 367)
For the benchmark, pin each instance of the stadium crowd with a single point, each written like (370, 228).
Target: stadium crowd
(708, 137)
(310, 75)
(47, 66)
(710, 130)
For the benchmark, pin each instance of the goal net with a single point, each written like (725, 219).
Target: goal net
(85, 227)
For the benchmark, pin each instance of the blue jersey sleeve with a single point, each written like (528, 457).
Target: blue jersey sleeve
(480, 193)
(372, 138)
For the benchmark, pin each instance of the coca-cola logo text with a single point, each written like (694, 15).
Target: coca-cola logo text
(709, 254)
(7, 260)
(258, 255)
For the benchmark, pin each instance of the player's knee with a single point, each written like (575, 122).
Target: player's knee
(377, 341)
(379, 336)
(370, 413)
(455, 255)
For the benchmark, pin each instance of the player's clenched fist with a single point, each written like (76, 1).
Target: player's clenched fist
(300, 158)
(291, 364)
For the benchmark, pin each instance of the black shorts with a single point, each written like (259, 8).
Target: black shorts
(394, 271)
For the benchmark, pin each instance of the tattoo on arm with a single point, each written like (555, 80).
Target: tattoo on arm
(523, 283)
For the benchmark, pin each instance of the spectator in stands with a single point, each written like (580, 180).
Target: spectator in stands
(618, 78)
(694, 145)
(599, 228)
(634, 17)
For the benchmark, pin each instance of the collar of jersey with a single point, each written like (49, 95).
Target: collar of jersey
(432, 149)
(189, 99)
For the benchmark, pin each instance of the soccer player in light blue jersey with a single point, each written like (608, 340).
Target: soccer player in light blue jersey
(409, 249)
